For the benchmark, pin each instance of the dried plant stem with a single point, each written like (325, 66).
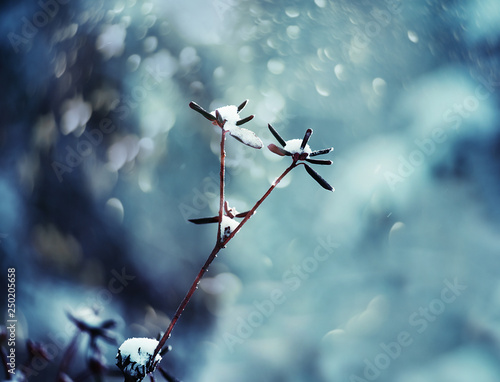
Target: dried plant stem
(222, 183)
(188, 296)
(219, 244)
(211, 257)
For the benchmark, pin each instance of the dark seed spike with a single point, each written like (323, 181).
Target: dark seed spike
(214, 219)
(321, 152)
(108, 324)
(277, 150)
(244, 103)
(126, 361)
(323, 183)
(219, 119)
(203, 112)
(242, 214)
(319, 161)
(244, 120)
(276, 135)
(306, 138)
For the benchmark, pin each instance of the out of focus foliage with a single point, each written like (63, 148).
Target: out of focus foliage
(394, 277)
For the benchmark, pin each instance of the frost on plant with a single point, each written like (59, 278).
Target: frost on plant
(136, 358)
(228, 118)
(299, 150)
(294, 146)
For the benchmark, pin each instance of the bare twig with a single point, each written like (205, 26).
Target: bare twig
(218, 246)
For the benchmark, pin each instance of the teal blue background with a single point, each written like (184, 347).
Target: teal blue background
(392, 277)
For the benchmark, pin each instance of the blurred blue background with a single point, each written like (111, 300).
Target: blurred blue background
(393, 277)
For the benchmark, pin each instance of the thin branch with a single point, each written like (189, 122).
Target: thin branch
(222, 182)
(211, 257)
(188, 296)
(219, 243)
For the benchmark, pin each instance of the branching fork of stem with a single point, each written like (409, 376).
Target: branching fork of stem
(220, 243)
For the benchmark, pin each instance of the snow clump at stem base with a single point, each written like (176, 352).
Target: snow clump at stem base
(135, 358)
(227, 227)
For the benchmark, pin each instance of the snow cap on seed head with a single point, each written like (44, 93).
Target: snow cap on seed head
(293, 146)
(300, 151)
(228, 118)
(135, 358)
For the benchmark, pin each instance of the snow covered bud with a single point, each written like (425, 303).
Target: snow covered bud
(228, 118)
(299, 150)
(135, 358)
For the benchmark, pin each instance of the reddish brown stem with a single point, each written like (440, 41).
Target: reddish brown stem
(218, 245)
(188, 296)
(212, 256)
(222, 182)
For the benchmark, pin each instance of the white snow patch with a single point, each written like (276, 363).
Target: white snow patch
(246, 136)
(293, 147)
(230, 114)
(140, 350)
(228, 226)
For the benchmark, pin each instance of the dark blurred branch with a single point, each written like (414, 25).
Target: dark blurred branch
(4, 362)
